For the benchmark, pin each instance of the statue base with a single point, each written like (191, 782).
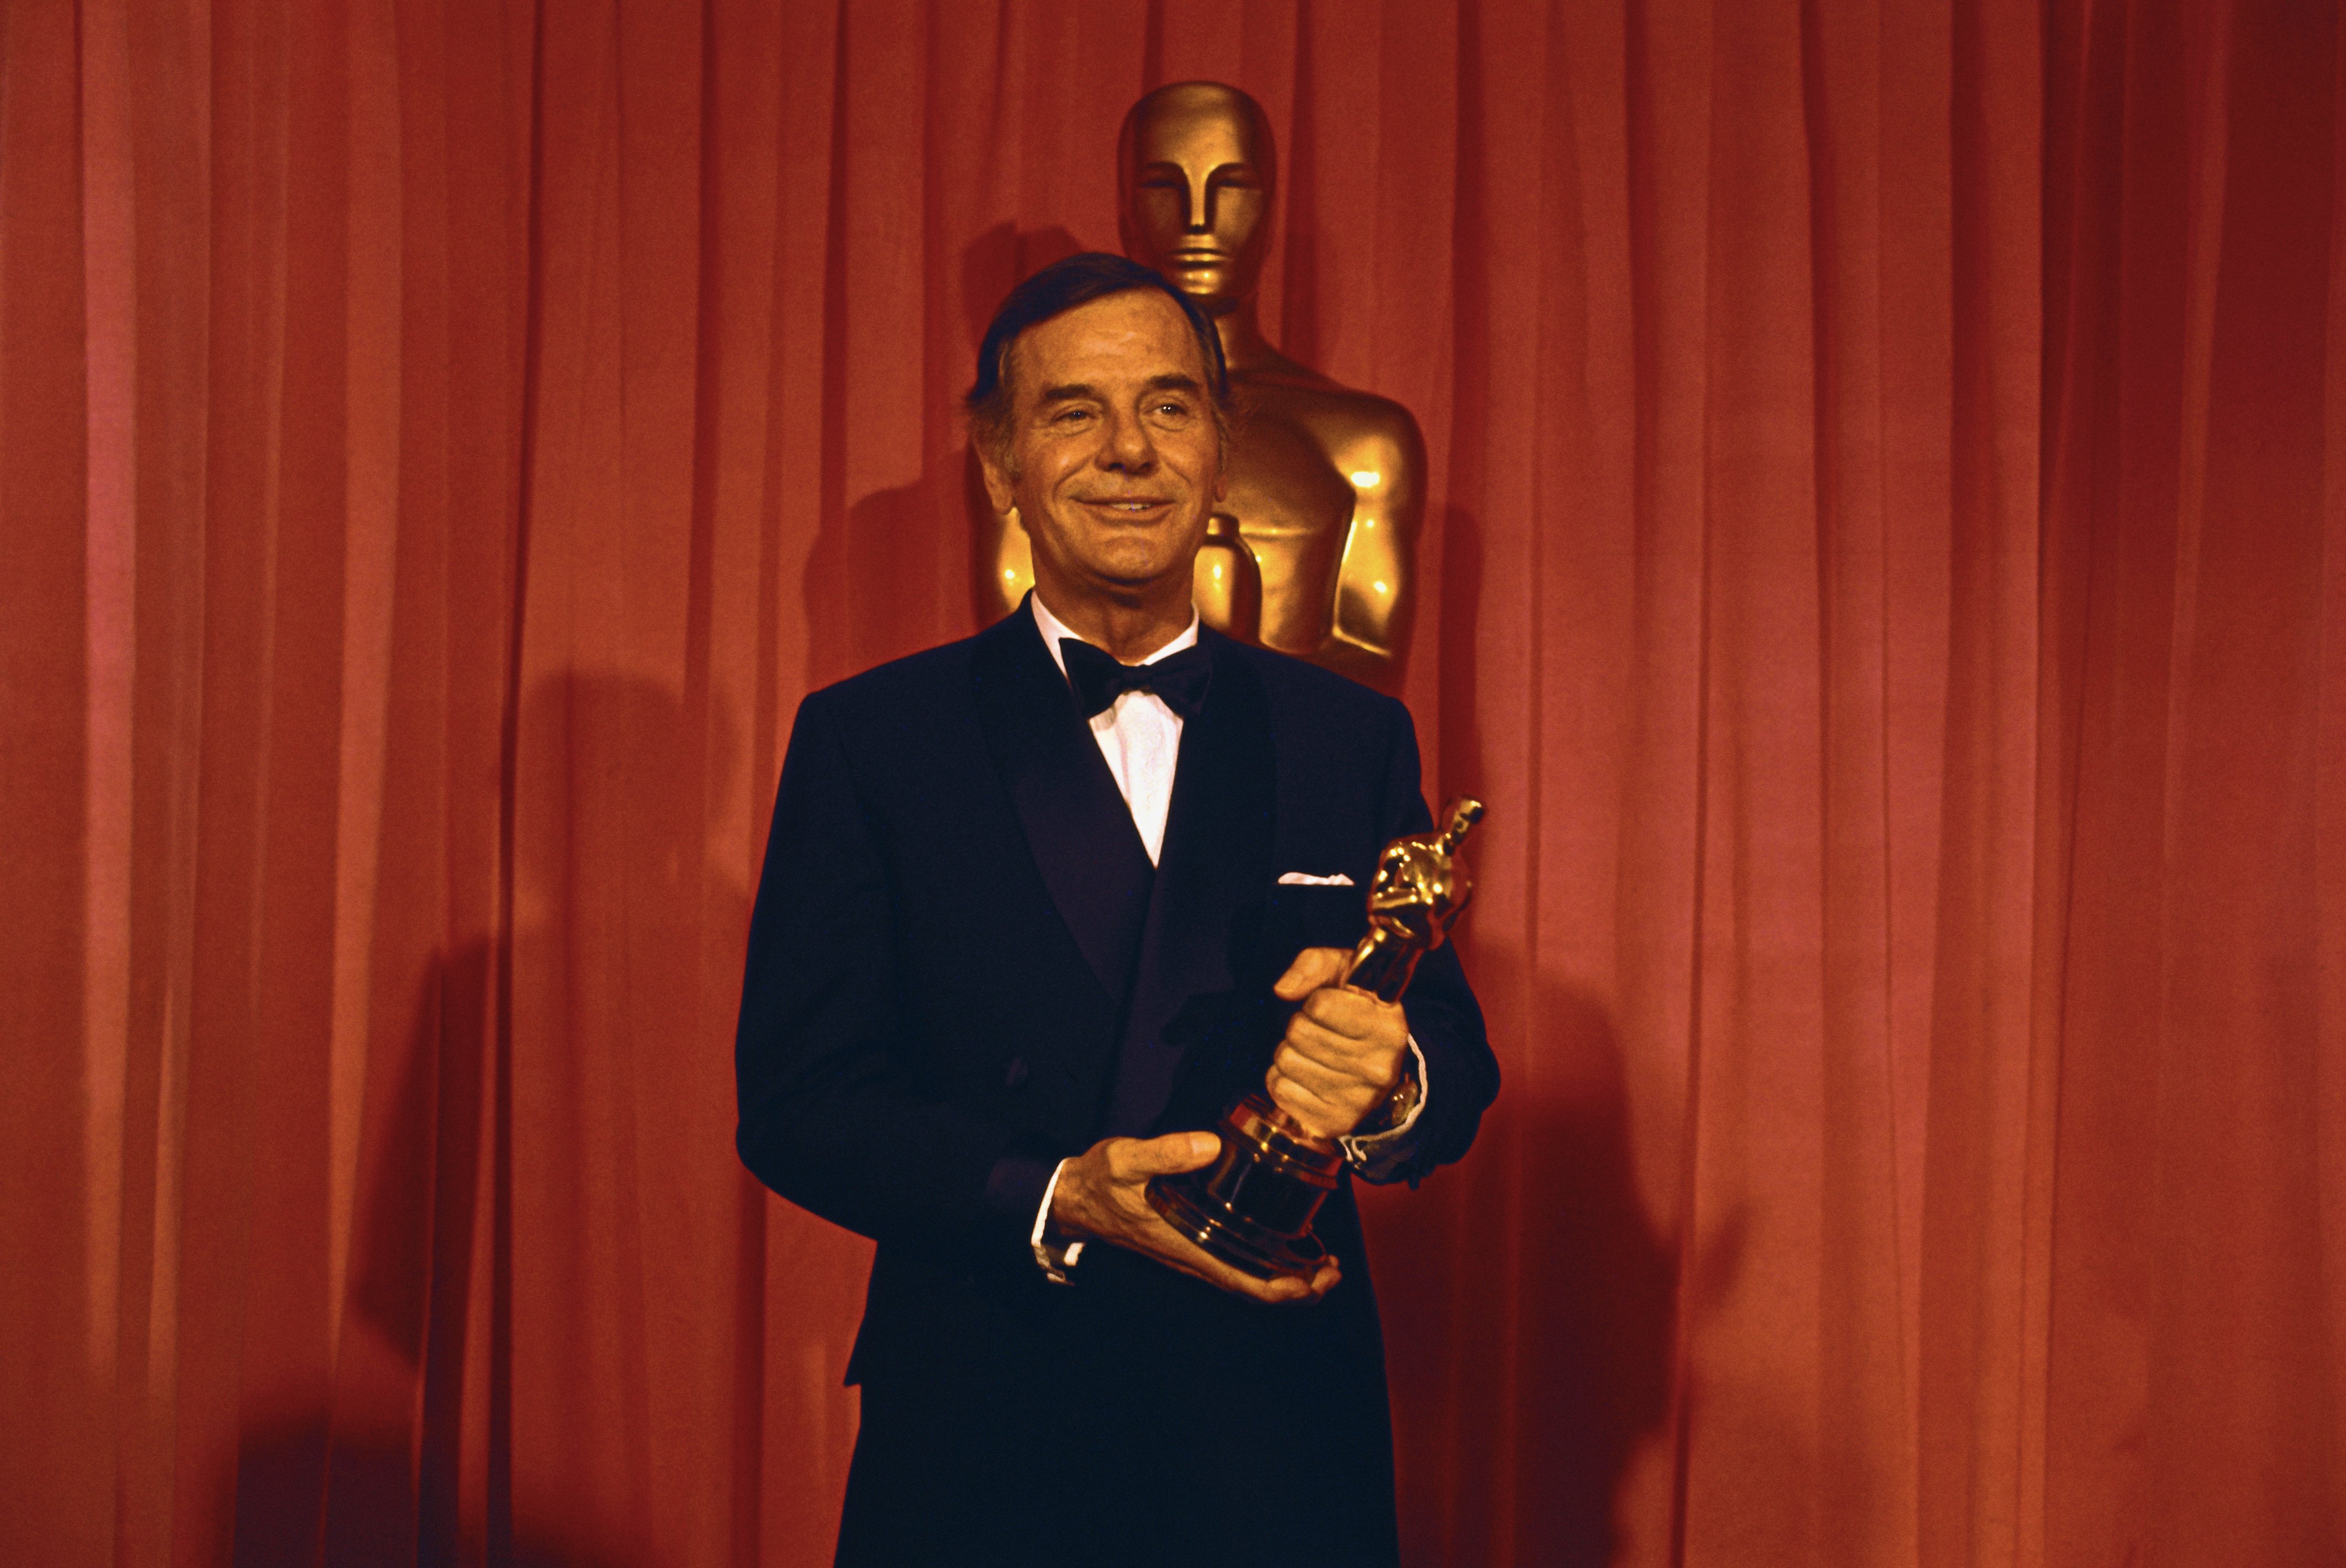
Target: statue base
(1252, 1207)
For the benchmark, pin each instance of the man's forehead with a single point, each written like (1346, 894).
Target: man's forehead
(1132, 338)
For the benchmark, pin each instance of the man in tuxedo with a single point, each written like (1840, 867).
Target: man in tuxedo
(1036, 906)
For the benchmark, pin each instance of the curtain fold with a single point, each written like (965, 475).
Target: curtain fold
(1885, 568)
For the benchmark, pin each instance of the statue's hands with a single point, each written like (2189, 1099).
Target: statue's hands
(1102, 1196)
(1344, 1050)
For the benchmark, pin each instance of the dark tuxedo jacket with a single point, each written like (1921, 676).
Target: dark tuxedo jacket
(961, 969)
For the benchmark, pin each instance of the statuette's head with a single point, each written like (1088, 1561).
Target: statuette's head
(1421, 885)
(1098, 415)
(1195, 171)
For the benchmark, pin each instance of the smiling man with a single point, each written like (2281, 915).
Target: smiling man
(1036, 906)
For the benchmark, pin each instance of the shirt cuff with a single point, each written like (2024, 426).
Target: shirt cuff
(1379, 1156)
(1054, 1260)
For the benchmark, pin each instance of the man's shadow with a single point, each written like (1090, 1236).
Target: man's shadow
(891, 572)
(414, 1461)
(1530, 1305)
(1529, 1312)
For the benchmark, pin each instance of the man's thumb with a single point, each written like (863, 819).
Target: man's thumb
(1313, 967)
(1172, 1153)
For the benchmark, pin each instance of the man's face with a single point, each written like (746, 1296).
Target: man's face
(1197, 192)
(1114, 458)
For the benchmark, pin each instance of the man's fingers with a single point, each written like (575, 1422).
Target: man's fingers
(1286, 1287)
(1133, 1159)
(1344, 1011)
(1181, 1252)
(1313, 967)
(1334, 1052)
(1327, 1117)
(1331, 1084)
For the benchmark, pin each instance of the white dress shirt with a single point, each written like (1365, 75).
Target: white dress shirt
(1140, 737)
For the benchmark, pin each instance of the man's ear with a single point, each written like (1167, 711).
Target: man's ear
(998, 490)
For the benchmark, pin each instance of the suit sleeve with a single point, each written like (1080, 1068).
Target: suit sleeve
(828, 1118)
(1462, 1076)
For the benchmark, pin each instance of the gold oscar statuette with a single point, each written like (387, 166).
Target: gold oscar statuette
(1252, 1207)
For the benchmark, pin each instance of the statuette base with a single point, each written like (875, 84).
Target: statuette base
(1252, 1207)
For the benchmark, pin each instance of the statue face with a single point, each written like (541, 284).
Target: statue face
(1196, 173)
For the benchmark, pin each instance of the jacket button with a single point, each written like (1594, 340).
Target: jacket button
(1015, 1074)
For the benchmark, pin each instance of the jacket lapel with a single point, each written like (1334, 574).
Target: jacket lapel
(1215, 864)
(1077, 826)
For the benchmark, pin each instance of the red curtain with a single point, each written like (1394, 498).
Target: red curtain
(1887, 573)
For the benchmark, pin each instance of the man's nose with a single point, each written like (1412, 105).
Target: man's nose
(1128, 446)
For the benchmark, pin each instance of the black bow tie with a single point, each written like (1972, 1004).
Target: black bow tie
(1179, 680)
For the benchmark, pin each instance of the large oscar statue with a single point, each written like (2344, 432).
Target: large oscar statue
(1253, 1206)
(1312, 553)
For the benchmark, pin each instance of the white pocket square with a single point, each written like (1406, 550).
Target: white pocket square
(1306, 879)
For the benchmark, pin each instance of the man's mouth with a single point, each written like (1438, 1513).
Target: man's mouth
(1132, 506)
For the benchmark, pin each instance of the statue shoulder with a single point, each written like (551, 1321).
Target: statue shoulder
(1383, 424)
(1297, 391)
(1339, 419)
(1382, 414)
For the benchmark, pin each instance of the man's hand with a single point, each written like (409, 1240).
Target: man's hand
(1344, 1050)
(1102, 1196)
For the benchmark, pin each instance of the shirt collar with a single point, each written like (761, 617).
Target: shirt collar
(1053, 628)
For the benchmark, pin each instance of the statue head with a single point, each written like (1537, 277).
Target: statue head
(1195, 169)
(1421, 884)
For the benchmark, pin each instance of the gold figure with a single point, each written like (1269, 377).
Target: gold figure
(1252, 1207)
(1419, 891)
(1327, 484)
